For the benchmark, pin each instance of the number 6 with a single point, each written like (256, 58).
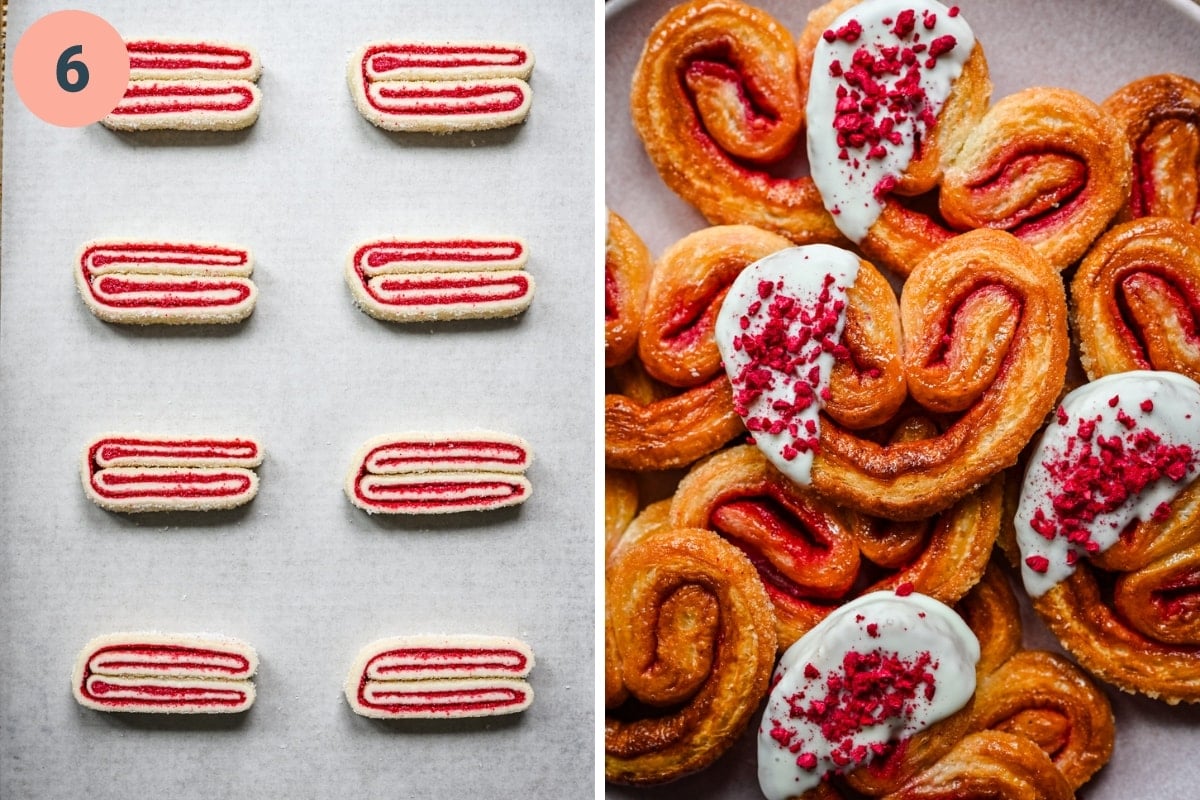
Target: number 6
(66, 65)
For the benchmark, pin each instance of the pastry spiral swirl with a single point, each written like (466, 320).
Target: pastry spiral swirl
(990, 764)
(1160, 117)
(1036, 726)
(1036, 694)
(717, 95)
(985, 343)
(673, 427)
(1044, 164)
(1136, 299)
(689, 647)
(1131, 616)
(813, 556)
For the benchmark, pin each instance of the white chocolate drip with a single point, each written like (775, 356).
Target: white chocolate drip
(849, 185)
(816, 278)
(1164, 404)
(911, 628)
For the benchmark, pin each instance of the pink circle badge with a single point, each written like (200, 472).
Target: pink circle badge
(71, 68)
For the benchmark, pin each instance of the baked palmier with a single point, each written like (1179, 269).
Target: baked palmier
(1160, 117)
(689, 646)
(1136, 299)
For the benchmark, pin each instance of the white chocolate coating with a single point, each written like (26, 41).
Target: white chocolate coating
(1174, 418)
(799, 273)
(848, 185)
(907, 628)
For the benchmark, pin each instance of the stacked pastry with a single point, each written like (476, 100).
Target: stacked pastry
(813, 407)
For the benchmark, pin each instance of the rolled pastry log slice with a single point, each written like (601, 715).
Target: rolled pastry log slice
(183, 105)
(440, 677)
(134, 473)
(165, 674)
(191, 59)
(417, 280)
(138, 282)
(422, 473)
(441, 87)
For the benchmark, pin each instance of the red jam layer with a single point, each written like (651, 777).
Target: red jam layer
(159, 294)
(187, 483)
(483, 99)
(429, 495)
(415, 290)
(143, 659)
(150, 54)
(388, 57)
(163, 693)
(146, 452)
(410, 701)
(132, 253)
(454, 659)
(454, 453)
(149, 97)
(457, 251)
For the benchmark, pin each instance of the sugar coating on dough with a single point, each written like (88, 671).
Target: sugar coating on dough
(426, 280)
(132, 473)
(424, 473)
(440, 677)
(441, 87)
(148, 282)
(165, 674)
(188, 85)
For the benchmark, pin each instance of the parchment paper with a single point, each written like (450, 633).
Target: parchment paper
(299, 573)
(1091, 47)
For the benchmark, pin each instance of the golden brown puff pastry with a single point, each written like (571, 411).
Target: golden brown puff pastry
(1035, 724)
(654, 518)
(989, 765)
(1160, 116)
(627, 269)
(985, 342)
(650, 426)
(620, 505)
(1131, 615)
(812, 556)
(690, 281)
(1136, 299)
(716, 95)
(1045, 164)
(689, 648)
(1033, 693)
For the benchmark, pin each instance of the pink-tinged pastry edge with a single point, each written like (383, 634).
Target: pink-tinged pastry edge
(186, 274)
(440, 677)
(212, 480)
(165, 673)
